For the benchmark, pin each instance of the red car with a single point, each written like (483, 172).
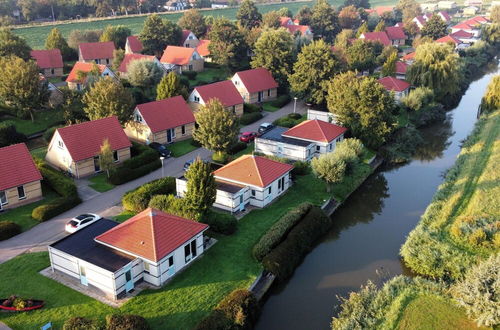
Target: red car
(248, 137)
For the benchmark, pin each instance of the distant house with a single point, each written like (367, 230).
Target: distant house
(396, 35)
(188, 39)
(409, 58)
(203, 50)
(181, 59)
(380, 10)
(380, 37)
(96, 52)
(56, 95)
(465, 37)
(286, 21)
(444, 16)
(421, 20)
(457, 44)
(49, 61)
(447, 5)
(163, 121)
(470, 11)
(476, 3)
(224, 91)
(255, 85)
(301, 142)
(248, 180)
(303, 30)
(400, 88)
(76, 148)
(129, 58)
(474, 29)
(113, 258)
(77, 78)
(401, 68)
(19, 177)
(133, 45)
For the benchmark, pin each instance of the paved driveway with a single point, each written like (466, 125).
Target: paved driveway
(38, 237)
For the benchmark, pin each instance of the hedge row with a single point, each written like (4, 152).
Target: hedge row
(9, 229)
(138, 199)
(249, 118)
(113, 322)
(285, 257)
(250, 108)
(237, 147)
(277, 233)
(122, 174)
(281, 101)
(238, 310)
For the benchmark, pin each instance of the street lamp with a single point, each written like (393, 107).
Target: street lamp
(294, 104)
(162, 159)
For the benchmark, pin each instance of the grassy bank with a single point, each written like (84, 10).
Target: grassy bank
(460, 227)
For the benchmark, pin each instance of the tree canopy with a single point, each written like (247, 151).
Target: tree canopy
(55, 40)
(13, 45)
(143, 73)
(389, 67)
(491, 99)
(349, 17)
(116, 33)
(357, 3)
(304, 15)
(201, 188)
(435, 28)
(329, 167)
(271, 19)
(227, 45)
(158, 33)
(409, 10)
(360, 55)
(248, 15)
(324, 21)
(192, 20)
(170, 86)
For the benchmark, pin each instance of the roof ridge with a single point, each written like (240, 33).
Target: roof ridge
(85, 122)
(257, 170)
(153, 236)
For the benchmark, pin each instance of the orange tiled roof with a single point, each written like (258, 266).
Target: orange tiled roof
(177, 55)
(315, 130)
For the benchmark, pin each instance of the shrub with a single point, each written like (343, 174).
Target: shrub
(241, 307)
(9, 135)
(148, 156)
(220, 158)
(54, 208)
(138, 199)
(81, 323)
(250, 108)
(215, 320)
(278, 231)
(281, 101)
(300, 168)
(295, 115)
(123, 174)
(289, 120)
(9, 229)
(237, 147)
(190, 74)
(137, 149)
(170, 204)
(47, 135)
(126, 322)
(219, 222)
(249, 118)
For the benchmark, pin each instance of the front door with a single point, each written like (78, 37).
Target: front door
(83, 276)
(129, 282)
(171, 267)
(260, 96)
(97, 164)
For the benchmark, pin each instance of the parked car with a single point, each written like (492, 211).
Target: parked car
(81, 221)
(248, 136)
(265, 127)
(162, 149)
(187, 164)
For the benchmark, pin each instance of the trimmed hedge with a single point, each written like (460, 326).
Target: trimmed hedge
(237, 147)
(138, 199)
(285, 257)
(81, 323)
(126, 322)
(300, 168)
(54, 208)
(249, 118)
(122, 174)
(278, 231)
(9, 229)
(281, 101)
(145, 157)
(250, 108)
(289, 120)
(219, 222)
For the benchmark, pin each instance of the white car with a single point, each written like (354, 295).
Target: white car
(81, 221)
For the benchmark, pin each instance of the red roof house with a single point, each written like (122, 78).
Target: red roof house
(19, 177)
(74, 148)
(409, 58)
(97, 52)
(396, 35)
(188, 39)
(304, 30)
(380, 36)
(255, 85)
(224, 91)
(182, 59)
(203, 50)
(401, 68)
(128, 58)
(77, 78)
(449, 39)
(315, 131)
(285, 21)
(462, 34)
(133, 45)
(49, 61)
(399, 87)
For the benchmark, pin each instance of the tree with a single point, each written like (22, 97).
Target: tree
(360, 56)
(304, 15)
(324, 21)
(315, 65)
(491, 34)
(495, 14)
(409, 9)
(217, 128)
(170, 86)
(116, 33)
(20, 86)
(157, 33)
(72, 107)
(118, 55)
(271, 19)
(108, 97)
(192, 20)
(285, 12)
(13, 45)
(248, 15)
(144, 73)
(201, 188)
(106, 157)
(389, 67)
(330, 168)
(349, 17)
(55, 40)
(250, 36)
(362, 29)
(435, 28)
(438, 67)
(357, 3)
(411, 29)
(380, 26)
(274, 51)
(76, 37)
(342, 40)
(491, 99)
(362, 105)
(227, 46)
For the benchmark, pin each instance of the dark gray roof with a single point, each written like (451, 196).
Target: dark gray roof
(276, 135)
(228, 187)
(82, 246)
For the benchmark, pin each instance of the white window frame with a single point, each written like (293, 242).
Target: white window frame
(21, 188)
(5, 198)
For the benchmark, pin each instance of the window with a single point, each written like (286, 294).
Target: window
(269, 190)
(128, 276)
(146, 267)
(253, 193)
(190, 251)
(279, 184)
(138, 117)
(193, 248)
(186, 45)
(115, 156)
(317, 148)
(236, 82)
(60, 144)
(234, 109)
(183, 129)
(196, 99)
(3, 198)
(20, 192)
(190, 67)
(170, 261)
(268, 92)
(107, 61)
(330, 146)
(52, 71)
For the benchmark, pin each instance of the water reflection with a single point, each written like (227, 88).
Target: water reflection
(436, 141)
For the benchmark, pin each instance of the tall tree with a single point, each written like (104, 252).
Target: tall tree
(55, 40)
(495, 14)
(271, 19)
(360, 56)
(491, 99)
(349, 18)
(118, 55)
(435, 28)
(304, 15)
(108, 97)
(217, 128)
(248, 15)
(438, 67)
(106, 157)
(285, 12)
(330, 168)
(201, 188)
(76, 37)
(116, 33)
(192, 20)
(362, 29)
(13, 45)
(362, 105)
(315, 65)
(157, 33)
(144, 73)
(389, 67)
(274, 51)
(324, 21)
(20, 86)
(227, 45)
(357, 3)
(169, 86)
(409, 9)
(342, 40)
(380, 26)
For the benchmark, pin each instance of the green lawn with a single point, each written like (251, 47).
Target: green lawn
(39, 152)
(125, 215)
(268, 107)
(208, 76)
(43, 120)
(100, 183)
(22, 215)
(248, 150)
(181, 148)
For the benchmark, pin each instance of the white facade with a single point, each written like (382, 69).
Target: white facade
(325, 116)
(285, 150)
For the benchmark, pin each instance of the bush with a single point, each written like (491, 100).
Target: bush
(148, 156)
(249, 118)
(278, 231)
(190, 74)
(289, 120)
(220, 158)
(221, 223)
(126, 322)
(300, 168)
(47, 135)
(61, 184)
(9, 229)
(237, 147)
(281, 101)
(137, 149)
(138, 199)
(123, 174)
(54, 208)
(81, 323)
(170, 204)
(250, 108)
(9, 135)
(215, 320)
(295, 115)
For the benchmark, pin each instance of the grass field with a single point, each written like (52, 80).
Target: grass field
(43, 120)
(100, 183)
(39, 152)
(181, 148)
(36, 35)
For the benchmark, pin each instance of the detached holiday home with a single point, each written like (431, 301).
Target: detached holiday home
(255, 85)
(180, 59)
(77, 78)
(96, 52)
(133, 45)
(163, 121)
(224, 91)
(19, 177)
(49, 61)
(400, 88)
(76, 148)
(113, 258)
(188, 39)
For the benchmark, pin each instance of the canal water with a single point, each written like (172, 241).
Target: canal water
(371, 226)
